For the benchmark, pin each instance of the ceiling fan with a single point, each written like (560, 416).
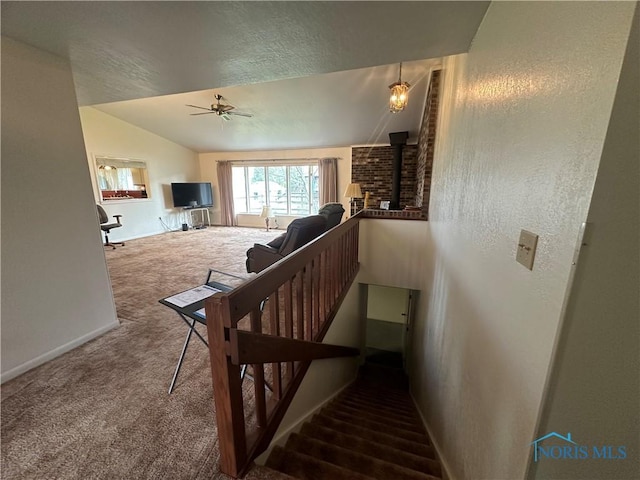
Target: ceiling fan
(222, 110)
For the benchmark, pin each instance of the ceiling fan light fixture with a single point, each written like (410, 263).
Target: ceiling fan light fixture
(220, 109)
(399, 94)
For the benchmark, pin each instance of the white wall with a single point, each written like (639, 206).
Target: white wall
(55, 287)
(208, 171)
(523, 121)
(392, 253)
(594, 391)
(166, 161)
(387, 303)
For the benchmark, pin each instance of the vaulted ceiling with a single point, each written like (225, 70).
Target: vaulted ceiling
(312, 73)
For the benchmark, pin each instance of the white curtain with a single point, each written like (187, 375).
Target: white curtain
(328, 168)
(225, 183)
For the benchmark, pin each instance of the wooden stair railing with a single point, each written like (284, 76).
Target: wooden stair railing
(290, 307)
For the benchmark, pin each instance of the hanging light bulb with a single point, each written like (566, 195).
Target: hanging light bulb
(399, 94)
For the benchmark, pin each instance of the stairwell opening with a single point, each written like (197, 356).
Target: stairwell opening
(389, 312)
(370, 428)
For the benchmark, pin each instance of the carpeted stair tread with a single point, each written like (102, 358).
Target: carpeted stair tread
(377, 450)
(387, 384)
(379, 375)
(354, 461)
(389, 413)
(381, 401)
(396, 394)
(306, 467)
(379, 385)
(392, 393)
(374, 405)
(406, 406)
(392, 379)
(382, 385)
(422, 449)
(390, 420)
(378, 426)
(372, 429)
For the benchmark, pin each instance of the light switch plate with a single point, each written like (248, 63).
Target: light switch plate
(527, 248)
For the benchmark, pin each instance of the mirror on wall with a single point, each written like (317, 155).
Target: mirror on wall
(122, 178)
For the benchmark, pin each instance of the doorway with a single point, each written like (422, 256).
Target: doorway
(389, 314)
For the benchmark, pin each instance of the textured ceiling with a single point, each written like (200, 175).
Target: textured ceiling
(335, 109)
(134, 50)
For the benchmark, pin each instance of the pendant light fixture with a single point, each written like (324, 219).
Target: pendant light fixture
(399, 94)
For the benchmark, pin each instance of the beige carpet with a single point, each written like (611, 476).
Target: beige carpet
(102, 410)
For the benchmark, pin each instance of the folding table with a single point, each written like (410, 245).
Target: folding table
(189, 305)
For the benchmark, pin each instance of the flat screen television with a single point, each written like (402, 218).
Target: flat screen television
(192, 194)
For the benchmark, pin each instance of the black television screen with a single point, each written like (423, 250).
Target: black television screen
(192, 194)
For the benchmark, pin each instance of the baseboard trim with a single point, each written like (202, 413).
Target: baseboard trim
(56, 352)
(443, 462)
(142, 235)
(282, 438)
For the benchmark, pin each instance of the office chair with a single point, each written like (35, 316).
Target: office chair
(106, 227)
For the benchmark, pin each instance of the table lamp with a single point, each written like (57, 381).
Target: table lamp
(353, 191)
(266, 213)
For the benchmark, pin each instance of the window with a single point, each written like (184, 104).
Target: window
(287, 189)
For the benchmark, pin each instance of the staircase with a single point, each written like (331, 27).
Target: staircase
(370, 431)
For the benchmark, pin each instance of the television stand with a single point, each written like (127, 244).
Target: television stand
(203, 211)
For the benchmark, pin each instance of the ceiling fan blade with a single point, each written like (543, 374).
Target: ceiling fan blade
(221, 109)
(196, 106)
(240, 114)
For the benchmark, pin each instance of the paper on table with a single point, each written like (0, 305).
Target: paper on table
(201, 313)
(192, 296)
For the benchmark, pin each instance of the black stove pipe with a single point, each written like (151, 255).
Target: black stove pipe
(397, 140)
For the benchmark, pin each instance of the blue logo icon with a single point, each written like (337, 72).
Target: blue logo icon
(565, 448)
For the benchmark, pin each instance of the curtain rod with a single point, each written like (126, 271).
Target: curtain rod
(262, 160)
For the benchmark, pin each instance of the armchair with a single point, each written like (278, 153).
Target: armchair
(299, 232)
(333, 212)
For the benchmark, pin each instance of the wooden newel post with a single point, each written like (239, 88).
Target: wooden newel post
(227, 389)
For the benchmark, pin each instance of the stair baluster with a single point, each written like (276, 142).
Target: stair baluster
(303, 292)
